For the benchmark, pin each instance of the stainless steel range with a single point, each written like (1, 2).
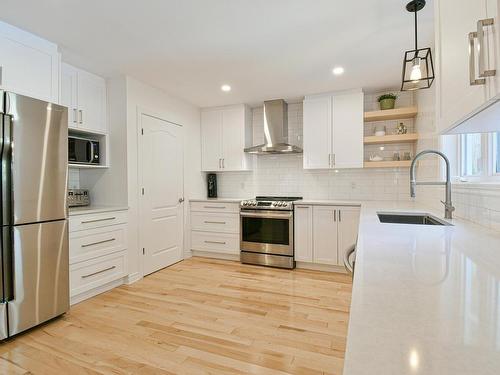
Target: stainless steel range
(266, 225)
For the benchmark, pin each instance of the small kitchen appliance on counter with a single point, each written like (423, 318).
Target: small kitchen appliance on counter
(78, 198)
(267, 231)
(211, 185)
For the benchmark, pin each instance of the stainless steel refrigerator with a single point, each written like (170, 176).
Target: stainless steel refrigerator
(34, 273)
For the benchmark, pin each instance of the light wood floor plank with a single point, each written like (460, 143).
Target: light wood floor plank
(200, 316)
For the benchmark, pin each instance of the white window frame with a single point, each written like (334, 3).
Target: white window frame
(488, 150)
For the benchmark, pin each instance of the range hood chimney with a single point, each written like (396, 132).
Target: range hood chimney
(275, 130)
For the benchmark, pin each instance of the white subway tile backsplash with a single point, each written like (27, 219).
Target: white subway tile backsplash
(73, 178)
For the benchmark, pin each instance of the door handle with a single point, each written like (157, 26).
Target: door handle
(340, 216)
(81, 116)
(75, 115)
(472, 62)
(98, 242)
(98, 272)
(214, 222)
(96, 220)
(216, 242)
(481, 24)
(181, 200)
(334, 215)
(220, 163)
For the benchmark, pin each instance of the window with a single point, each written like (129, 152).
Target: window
(479, 157)
(472, 152)
(496, 153)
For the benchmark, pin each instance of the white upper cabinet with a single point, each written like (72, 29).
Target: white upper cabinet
(85, 96)
(333, 131)
(317, 132)
(467, 63)
(29, 65)
(211, 140)
(225, 132)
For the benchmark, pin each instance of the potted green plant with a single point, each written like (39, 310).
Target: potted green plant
(387, 101)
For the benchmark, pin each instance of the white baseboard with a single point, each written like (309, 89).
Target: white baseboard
(320, 267)
(132, 278)
(209, 254)
(188, 254)
(94, 292)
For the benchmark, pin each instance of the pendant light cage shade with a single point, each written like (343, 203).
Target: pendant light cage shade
(418, 70)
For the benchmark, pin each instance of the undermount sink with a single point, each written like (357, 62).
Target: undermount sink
(410, 218)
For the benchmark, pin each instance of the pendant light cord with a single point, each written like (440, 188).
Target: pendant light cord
(416, 35)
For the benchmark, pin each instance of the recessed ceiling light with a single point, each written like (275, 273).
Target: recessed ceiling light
(338, 70)
(225, 88)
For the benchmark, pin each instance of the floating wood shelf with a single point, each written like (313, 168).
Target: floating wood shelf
(397, 138)
(391, 114)
(388, 164)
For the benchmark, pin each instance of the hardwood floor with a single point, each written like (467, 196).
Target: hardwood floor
(200, 316)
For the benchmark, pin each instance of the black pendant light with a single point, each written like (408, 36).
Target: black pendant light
(418, 68)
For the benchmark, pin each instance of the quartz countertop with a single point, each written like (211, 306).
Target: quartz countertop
(85, 210)
(425, 299)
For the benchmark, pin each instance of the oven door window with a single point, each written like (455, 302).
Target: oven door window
(264, 230)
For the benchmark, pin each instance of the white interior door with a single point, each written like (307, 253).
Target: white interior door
(161, 208)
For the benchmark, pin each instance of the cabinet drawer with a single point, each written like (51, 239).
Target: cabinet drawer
(215, 222)
(82, 222)
(96, 272)
(92, 243)
(215, 207)
(215, 242)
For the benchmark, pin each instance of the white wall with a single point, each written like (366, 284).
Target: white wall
(174, 110)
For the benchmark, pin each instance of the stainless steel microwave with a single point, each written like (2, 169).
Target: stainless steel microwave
(83, 150)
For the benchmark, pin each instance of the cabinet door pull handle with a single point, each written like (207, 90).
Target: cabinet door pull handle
(97, 220)
(334, 215)
(98, 242)
(75, 115)
(81, 116)
(340, 216)
(217, 242)
(481, 24)
(215, 222)
(472, 62)
(98, 272)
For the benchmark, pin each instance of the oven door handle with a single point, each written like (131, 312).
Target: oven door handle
(267, 215)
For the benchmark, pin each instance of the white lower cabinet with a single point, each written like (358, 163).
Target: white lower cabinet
(97, 253)
(215, 227)
(324, 233)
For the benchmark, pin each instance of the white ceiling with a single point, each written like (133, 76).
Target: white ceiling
(263, 48)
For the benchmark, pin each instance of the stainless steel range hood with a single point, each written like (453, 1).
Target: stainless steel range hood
(275, 130)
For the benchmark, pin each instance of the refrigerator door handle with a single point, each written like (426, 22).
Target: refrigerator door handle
(5, 169)
(7, 264)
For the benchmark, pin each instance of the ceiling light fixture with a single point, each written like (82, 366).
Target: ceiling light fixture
(418, 68)
(338, 70)
(225, 88)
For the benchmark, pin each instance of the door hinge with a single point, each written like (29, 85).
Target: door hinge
(143, 251)
(142, 131)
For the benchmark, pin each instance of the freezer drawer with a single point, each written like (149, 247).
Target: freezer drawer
(40, 274)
